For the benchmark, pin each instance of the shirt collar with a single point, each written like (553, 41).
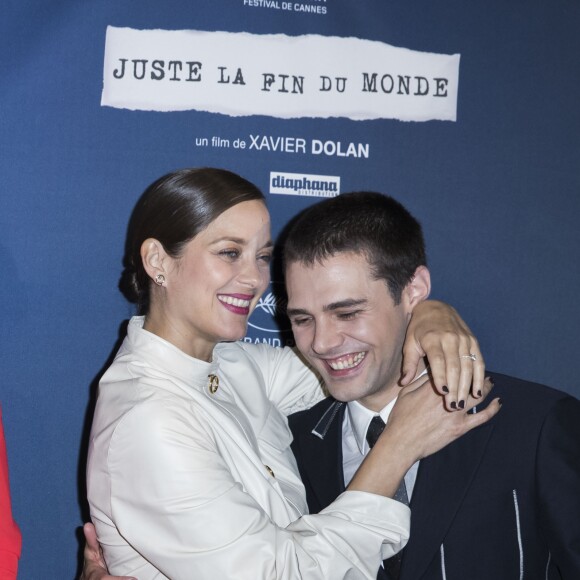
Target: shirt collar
(360, 418)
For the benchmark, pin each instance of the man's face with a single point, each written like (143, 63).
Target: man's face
(347, 325)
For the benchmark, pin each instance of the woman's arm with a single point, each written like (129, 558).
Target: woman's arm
(186, 496)
(203, 520)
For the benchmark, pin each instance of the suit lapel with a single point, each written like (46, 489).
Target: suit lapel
(322, 461)
(442, 483)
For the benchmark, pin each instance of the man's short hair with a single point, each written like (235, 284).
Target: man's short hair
(365, 223)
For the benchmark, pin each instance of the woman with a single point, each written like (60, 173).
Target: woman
(190, 472)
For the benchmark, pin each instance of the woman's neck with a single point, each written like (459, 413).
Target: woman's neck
(175, 333)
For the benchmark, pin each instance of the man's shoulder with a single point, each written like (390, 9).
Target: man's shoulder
(526, 402)
(509, 387)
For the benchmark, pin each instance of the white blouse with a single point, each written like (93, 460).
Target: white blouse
(186, 483)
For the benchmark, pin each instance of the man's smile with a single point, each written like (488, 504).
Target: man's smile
(345, 362)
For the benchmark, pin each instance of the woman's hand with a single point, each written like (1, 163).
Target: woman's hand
(418, 425)
(422, 426)
(439, 333)
(94, 567)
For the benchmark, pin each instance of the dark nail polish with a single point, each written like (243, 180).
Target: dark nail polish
(453, 405)
(461, 404)
(479, 393)
(500, 402)
(445, 389)
(490, 380)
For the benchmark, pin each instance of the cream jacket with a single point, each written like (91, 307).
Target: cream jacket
(186, 483)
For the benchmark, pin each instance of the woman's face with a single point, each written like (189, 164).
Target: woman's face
(212, 288)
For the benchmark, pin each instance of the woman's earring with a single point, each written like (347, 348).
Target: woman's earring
(160, 279)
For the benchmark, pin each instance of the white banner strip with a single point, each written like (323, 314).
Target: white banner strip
(276, 75)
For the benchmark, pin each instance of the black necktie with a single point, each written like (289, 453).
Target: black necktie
(392, 565)
(376, 427)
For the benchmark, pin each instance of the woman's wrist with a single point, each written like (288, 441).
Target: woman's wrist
(385, 466)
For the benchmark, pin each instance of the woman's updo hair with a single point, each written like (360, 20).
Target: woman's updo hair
(173, 210)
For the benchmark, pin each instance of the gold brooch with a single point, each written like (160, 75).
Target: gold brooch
(214, 384)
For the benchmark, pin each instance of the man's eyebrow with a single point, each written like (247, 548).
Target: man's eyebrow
(296, 312)
(347, 303)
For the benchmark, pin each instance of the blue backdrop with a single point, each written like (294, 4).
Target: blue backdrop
(498, 193)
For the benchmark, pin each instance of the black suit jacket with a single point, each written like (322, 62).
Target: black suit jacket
(502, 502)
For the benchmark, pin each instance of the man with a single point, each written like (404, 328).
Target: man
(502, 502)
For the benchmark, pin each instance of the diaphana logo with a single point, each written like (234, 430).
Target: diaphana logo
(304, 184)
(269, 314)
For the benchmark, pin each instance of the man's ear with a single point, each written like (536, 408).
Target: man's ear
(418, 289)
(154, 257)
